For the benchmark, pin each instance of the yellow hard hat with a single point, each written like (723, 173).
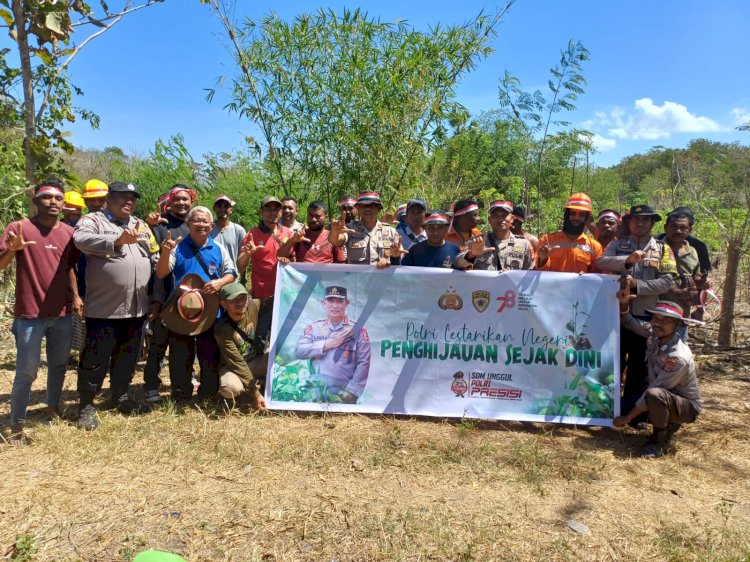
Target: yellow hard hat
(73, 200)
(95, 188)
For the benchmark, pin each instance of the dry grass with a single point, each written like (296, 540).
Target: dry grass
(211, 486)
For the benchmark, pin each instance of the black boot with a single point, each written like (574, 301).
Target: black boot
(656, 446)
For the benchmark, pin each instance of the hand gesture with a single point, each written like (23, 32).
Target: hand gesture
(249, 247)
(382, 263)
(127, 237)
(299, 236)
(389, 218)
(282, 261)
(168, 245)
(17, 243)
(336, 339)
(339, 227)
(543, 253)
(636, 257)
(397, 250)
(625, 296)
(476, 246)
(155, 218)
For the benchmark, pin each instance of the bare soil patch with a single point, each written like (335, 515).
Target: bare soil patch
(215, 486)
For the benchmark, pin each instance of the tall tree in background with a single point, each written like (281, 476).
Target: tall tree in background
(536, 116)
(49, 34)
(352, 101)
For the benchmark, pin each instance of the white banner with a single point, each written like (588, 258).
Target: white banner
(519, 345)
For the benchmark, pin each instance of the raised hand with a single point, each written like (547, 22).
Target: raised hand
(389, 218)
(127, 237)
(339, 227)
(476, 246)
(155, 218)
(16, 243)
(397, 250)
(543, 252)
(299, 236)
(168, 245)
(249, 247)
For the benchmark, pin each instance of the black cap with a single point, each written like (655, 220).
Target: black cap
(520, 212)
(644, 211)
(417, 202)
(122, 187)
(335, 293)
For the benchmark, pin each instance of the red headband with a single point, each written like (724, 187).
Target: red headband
(470, 209)
(610, 214)
(49, 189)
(175, 190)
(507, 205)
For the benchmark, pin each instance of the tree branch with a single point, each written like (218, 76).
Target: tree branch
(114, 18)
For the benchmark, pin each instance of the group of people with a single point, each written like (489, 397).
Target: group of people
(178, 275)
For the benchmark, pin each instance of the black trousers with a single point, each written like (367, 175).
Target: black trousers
(111, 346)
(182, 352)
(263, 330)
(157, 350)
(633, 356)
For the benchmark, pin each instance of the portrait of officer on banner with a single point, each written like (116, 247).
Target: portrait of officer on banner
(338, 351)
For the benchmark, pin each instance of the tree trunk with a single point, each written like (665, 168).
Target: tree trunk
(734, 253)
(27, 79)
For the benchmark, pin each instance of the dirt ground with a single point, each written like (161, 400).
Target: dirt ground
(215, 486)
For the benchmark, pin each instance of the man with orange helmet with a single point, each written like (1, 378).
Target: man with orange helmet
(572, 249)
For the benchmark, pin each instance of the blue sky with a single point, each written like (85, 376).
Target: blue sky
(661, 72)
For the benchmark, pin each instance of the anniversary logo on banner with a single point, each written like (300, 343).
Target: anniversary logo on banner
(520, 345)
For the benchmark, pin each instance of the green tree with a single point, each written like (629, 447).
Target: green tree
(536, 117)
(349, 102)
(40, 90)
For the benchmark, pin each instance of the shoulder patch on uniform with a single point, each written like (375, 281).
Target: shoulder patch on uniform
(668, 363)
(308, 330)
(365, 336)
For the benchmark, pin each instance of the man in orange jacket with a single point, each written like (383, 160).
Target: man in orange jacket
(571, 249)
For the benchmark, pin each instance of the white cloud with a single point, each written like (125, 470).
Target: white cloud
(741, 115)
(650, 121)
(602, 144)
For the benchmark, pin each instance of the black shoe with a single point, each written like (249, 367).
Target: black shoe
(87, 418)
(651, 451)
(127, 406)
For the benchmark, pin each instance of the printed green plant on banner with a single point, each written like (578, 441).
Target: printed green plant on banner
(590, 399)
(292, 383)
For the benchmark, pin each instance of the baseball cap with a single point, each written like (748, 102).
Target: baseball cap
(270, 199)
(232, 290)
(122, 187)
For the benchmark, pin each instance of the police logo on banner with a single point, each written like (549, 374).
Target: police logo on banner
(449, 300)
(480, 300)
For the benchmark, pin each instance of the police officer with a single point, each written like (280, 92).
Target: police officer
(648, 268)
(367, 240)
(499, 250)
(338, 349)
(120, 254)
(672, 397)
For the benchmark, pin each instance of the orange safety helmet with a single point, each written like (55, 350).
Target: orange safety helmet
(580, 202)
(95, 188)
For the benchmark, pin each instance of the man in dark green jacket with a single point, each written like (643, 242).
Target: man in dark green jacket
(234, 331)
